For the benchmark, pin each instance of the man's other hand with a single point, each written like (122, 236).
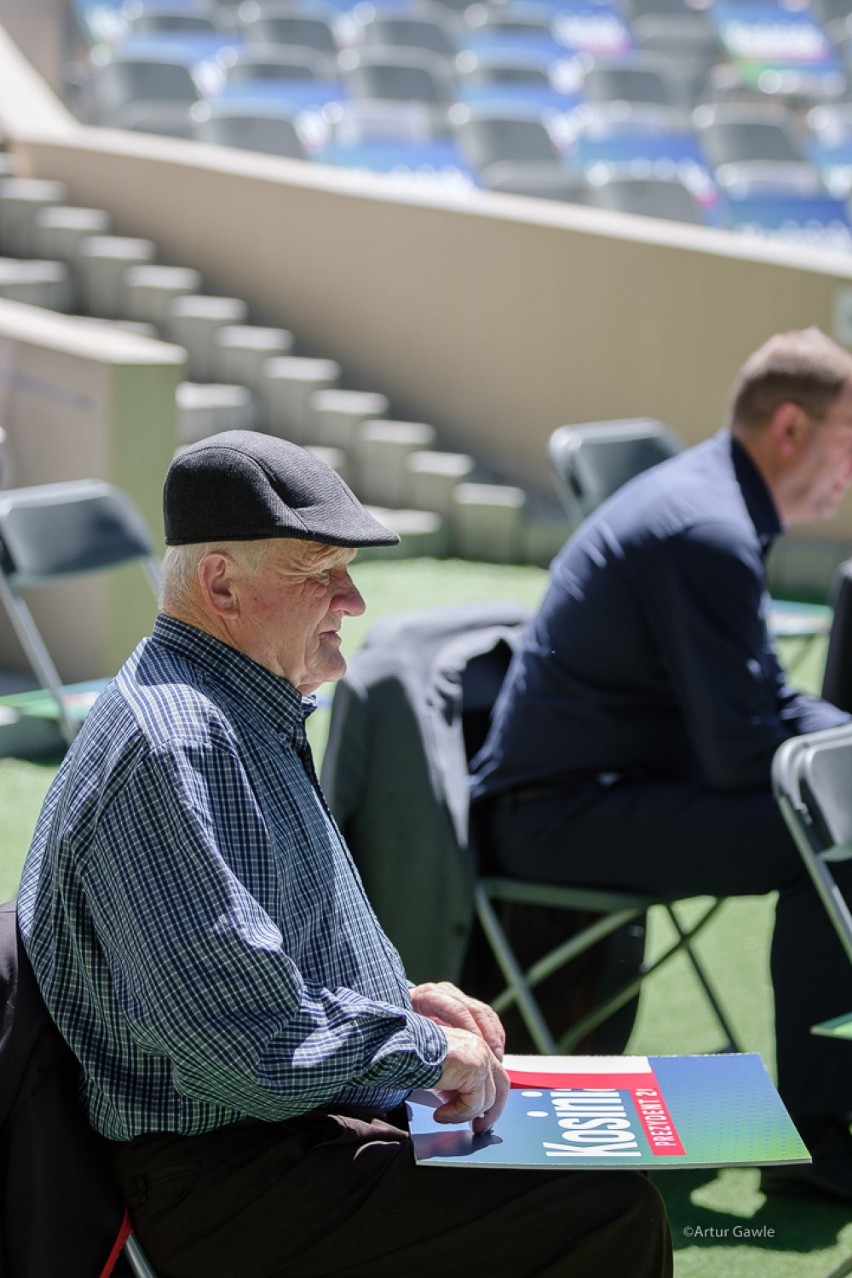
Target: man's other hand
(443, 1002)
(473, 1084)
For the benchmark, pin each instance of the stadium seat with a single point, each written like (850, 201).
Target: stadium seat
(642, 81)
(298, 25)
(651, 197)
(487, 138)
(424, 28)
(401, 75)
(687, 40)
(267, 127)
(543, 180)
(119, 86)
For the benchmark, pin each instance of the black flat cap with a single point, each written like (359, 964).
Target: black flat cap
(244, 486)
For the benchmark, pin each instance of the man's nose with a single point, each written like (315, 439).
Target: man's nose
(348, 599)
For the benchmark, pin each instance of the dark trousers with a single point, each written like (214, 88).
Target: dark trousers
(675, 837)
(341, 1194)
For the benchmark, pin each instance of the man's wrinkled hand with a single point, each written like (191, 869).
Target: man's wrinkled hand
(473, 1084)
(443, 1002)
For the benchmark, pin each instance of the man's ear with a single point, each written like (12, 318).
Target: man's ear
(217, 580)
(789, 427)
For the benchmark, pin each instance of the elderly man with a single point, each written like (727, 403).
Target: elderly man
(633, 741)
(245, 1031)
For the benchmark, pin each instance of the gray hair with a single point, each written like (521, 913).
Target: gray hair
(180, 567)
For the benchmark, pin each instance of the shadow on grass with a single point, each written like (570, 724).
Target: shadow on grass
(723, 1218)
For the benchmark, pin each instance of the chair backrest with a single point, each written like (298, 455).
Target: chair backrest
(729, 133)
(268, 128)
(837, 678)
(591, 460)
(62, 1210)
(409, 31)
(643, 79)
(57, 531)
(651, 197)
(412, 707)
(813, 774)
(127, 79)
(810, 781)
(259, 63)
(313, 30)
(547, 180)
(487, 138)
(403, 75)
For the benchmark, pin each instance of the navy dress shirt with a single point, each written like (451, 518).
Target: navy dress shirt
(650, 655)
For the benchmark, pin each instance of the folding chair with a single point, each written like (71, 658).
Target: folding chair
(810, 780)
(137, 1260)
(408, 716)
(590, 460)
(837, 677)
(63, 1209)
(607, 912)
(56, 531)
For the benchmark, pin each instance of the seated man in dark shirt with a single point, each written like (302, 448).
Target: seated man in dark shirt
(631, 746)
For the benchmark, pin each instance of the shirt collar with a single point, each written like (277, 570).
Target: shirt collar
(758, 499)
(267, 695)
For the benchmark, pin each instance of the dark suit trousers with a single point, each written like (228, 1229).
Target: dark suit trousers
(675, 837)
(341, 1194)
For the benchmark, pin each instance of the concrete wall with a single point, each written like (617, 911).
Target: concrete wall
(30, 66)
(494, 318)
(81, 402)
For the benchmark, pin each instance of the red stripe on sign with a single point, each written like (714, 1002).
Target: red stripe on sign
(656, 1120)
(609, 1081)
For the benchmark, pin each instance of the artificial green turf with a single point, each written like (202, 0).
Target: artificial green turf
(708, 1210)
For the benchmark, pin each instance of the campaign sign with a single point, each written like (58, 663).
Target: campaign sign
(566, 1112)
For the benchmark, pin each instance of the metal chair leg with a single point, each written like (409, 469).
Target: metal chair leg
(137, 1259)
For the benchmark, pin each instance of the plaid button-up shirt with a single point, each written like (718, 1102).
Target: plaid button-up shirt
(194, 919)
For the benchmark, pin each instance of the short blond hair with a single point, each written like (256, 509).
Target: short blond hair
(803, 367)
